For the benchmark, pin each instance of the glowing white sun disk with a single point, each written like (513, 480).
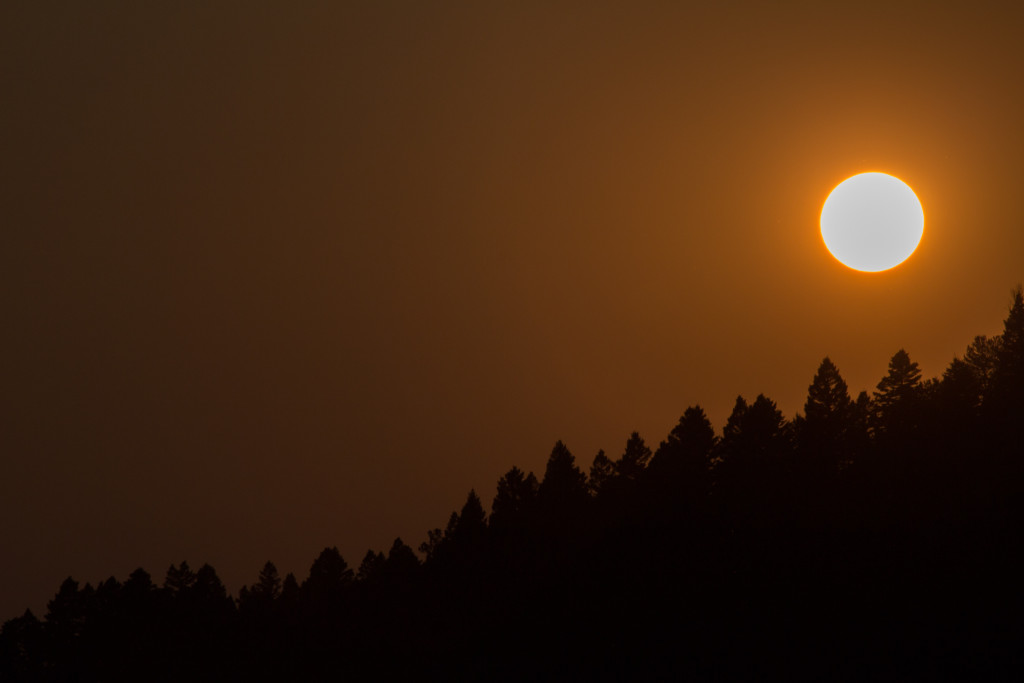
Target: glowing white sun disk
(872, 222)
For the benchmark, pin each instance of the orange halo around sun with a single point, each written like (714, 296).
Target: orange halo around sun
(872, 222)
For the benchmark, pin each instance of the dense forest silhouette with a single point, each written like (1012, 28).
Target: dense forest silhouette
(876, 536)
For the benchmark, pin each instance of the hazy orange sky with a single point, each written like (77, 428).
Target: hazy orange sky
(277, 276)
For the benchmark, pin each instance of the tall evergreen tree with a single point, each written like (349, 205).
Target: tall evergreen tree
(329, 577)
(982, 357)
(1011, 347)
(752, 476)
(22, 642)
(179, 579)
(634, 459)
(1008, 380)
(754, 432)
(765, 428)
(896, 401)
(401, 561)
(290, 589)
(139, 582)
(680, 468)
(207, 586)
(602, 470)
(435, 539)
(371, 566)
(268, 583)
(861, 422)
(471, 526)
(66, 613)
(516, 494)
(825, 431)
(733, 425)
(828, 399)
(691, 440)
(965, 384)
(563, 483)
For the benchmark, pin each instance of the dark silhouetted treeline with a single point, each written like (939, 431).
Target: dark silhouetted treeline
(873, 537)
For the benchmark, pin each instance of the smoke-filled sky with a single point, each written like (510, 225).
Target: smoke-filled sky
(278, 276)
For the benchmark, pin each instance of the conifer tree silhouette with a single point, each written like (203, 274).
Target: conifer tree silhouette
(515, 496)
(846, 571)
(751, 477)
(634, 459)
(829, 419)
(268, 584)
(619, 489)
(828, 400)
(679, 472)
(66, 612)
(207, 586)
(982, 357)
(289, 589)
(401, 561)
(861, 436)
(371, 566)
(564, 485)
(179, 579)
(328, 580)
(733, 425)
(1008, 380)
(895, 404)
(471, 526)
(688, 446)
(22, 643)
(966, 382)
(139, 597)
(755, 432)
(435, 539)
(602, 470)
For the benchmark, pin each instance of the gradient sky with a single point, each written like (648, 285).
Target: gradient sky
(277, 276)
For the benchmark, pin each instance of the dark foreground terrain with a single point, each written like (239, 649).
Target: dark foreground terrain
(876, 537)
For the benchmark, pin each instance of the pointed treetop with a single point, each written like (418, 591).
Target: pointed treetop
(516, 492)
(472, 518)
(828, 397)
(563, 480)
(601, 471)
(139, 580)
(1013, 326)
(763, 416)
(1011, 348)
(685, 455)
(401, 558)
(328, 571)
(180, 578)
(207, 585)
(1007, 385)
(903, 379)
(371, 565)
(982, 357)
(289, 587)
(693, 433)
(268, 585)
(732, 425)
(634, 459)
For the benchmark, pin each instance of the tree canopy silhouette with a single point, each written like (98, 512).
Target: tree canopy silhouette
(869, 538)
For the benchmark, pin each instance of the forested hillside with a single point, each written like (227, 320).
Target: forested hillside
(872, 536)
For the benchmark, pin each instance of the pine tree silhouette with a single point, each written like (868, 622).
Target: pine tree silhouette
(826, 431)
(896, 404)
(875, 538)
(602, 470)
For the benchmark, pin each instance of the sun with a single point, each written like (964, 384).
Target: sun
(872, 222)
